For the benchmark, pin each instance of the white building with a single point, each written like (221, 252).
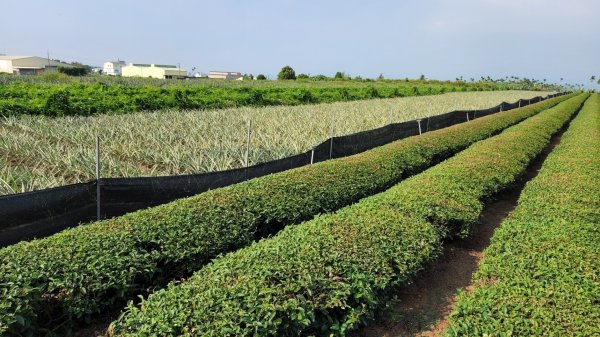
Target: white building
(225, 75)
(29, 65)
(113, 68)
(164, 71)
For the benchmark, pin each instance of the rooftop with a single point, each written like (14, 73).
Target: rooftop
(153, 65)
(13, 57)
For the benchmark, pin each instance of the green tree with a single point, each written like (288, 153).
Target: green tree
(302, 76)
(380, 77)
(422, 77)
(73, 71)
(339, 75)
(286, 73)
(261, 77)
(320, 78)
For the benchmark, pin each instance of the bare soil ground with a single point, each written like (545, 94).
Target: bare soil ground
(97, 328)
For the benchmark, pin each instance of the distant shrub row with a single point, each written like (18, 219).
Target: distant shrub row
(80, 272)
(541, 274)
(328, 275)
(98, 98)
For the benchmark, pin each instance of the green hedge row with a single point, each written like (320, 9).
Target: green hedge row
(541, 274)
(95, 98)
(82, 271)
(327, 276)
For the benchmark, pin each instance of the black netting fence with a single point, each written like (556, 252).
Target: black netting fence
(44, 212)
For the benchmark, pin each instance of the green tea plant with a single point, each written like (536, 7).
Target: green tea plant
(328, 275)
(56, 282)
(540, 275)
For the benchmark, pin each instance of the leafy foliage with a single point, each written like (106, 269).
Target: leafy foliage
(340, 76)
(286, 73)
(58, 104)
(540, 275)
(94, 94)
(77, 273)
(95, 98)
(328, 275)
(73, 71)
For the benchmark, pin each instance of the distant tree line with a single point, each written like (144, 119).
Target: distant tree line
(505, 83)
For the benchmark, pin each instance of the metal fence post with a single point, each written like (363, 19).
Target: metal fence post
(332, 135)
(312, 155)
(98, 177)
(519, 103)
(247, 156)
(467, 117)
(419, 121)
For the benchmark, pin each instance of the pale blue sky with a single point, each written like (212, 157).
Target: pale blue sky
(441, 39)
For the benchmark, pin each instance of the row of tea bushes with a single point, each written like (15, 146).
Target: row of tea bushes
(541, 274)
(75, 274)
(328, 275)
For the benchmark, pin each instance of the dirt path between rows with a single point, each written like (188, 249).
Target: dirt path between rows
(424, 305)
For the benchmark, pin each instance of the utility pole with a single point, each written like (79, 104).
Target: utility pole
(98, 216)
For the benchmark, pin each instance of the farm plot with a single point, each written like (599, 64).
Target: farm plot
(99, 266)
(329, 274)
(59, 95)
(39, 152)
(540, 275)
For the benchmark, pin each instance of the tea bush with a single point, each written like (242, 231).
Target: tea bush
(80, 272)
(541, 273)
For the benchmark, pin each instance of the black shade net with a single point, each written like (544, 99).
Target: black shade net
(44, 212)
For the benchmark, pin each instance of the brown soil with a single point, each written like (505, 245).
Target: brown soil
(97, 328)
(424, 305)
